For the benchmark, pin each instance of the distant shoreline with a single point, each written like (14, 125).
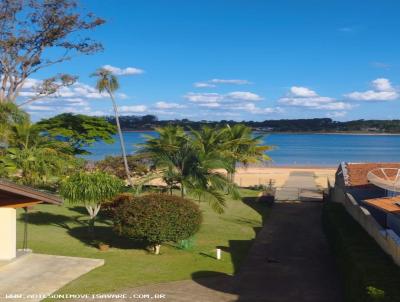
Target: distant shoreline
(305, 132)
(291, 166)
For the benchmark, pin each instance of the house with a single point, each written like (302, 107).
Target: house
(370, 194)
(381, 202)
(12, 197)
(352, 178)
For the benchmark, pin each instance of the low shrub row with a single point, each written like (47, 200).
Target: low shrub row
(368, 273)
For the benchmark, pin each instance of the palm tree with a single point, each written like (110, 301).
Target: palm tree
(108, 82)
(33, 159)
(195, 170)
(241, 146)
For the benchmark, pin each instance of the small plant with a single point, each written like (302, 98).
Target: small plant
(186, 244)
(268, 194)
(375, 293)
(157, 218)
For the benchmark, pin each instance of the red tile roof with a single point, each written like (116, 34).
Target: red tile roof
(357, 172)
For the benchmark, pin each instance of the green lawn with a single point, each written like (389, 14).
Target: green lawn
(62, 231)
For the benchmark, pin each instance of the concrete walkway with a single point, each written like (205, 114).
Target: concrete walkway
(33, 276)
(300, 186)
(289, 261)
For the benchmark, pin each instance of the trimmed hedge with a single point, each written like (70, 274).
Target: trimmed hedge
(157, 218)
(368, 273)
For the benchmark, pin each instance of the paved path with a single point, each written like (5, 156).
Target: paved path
(38, 274)
(290, 261)
(299, 186)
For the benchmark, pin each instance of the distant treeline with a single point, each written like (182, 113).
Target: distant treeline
(149, 122)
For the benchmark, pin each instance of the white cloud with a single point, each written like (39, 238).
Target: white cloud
(299, 91)
(304, 97)
(203, 85)
(165, 105)
(251, 108)
(204, 97)
(244, 96)
(336, 114)
(382, 91)
(133, 109)
(123, 71)
(232, 81)
(39, 108)
(76, 98)
(232, 97)
(213, 83)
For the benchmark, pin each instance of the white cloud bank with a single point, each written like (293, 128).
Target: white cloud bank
(382, 91)
(165, 105)
(123, 71)
(299, 96)
(214, 82)
(217, 98)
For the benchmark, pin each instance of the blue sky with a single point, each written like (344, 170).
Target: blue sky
(241, 60)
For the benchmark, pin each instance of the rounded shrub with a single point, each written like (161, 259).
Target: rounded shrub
(108, 208)
(157, 218)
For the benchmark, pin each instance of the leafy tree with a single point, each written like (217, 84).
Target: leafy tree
(90, 190)
(10, 115)
(157, 218)
(32, 30)
(36, 160)
(77, 129)
(194, 170)
(108, 82)
(115, 165)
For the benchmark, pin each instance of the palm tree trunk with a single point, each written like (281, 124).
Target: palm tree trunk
(121, 139)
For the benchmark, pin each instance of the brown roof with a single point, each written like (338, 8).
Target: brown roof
(356, 173)
(12, 194)
(387, 204)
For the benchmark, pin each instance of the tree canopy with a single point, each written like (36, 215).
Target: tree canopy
(28, 30)
(78, 129)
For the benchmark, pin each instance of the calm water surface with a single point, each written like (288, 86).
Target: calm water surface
(297, 149)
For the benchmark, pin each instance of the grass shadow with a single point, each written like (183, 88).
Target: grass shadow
(100, 218)
(45, 218)
(106, 235)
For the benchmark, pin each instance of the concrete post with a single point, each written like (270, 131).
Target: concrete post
(8, 233)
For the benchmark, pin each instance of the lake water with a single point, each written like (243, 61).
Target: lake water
(297, 149)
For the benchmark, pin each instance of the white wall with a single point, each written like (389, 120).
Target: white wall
(386, 238)
(8, 231)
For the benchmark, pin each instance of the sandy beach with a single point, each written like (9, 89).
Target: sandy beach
(251, 176)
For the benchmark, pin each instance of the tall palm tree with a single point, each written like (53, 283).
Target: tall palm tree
(108, 82)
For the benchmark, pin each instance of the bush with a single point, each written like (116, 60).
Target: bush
(368, 273)
(108, 208)
(115, 165)
(157, 218)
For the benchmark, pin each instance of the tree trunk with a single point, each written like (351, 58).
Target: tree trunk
(157, 248)
(182, 191)
(121, 139)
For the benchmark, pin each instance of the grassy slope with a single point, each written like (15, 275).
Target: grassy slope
(51, 228)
